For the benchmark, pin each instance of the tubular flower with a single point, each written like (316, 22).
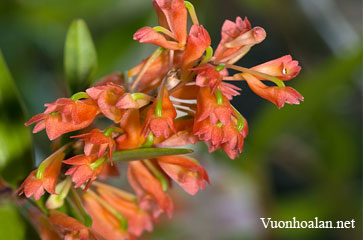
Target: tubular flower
(211, 134)
(96, 143)
(186, 172)
(138, 220)
(208, 106)
(149, 35)
(173, 25)
(63, 116)
(44, 178)
(132, 138)
(198, 41)
(70, 227)
(173, 15)
(208, 76)
(104, 222)
(45, 228)
(277, 95)
(233, 138)
(160, 118)
(85, 169)
(184, 134)
(156, 71)
(283, 68)
(106, 97)
(133, 101)
(237, 39)
(148, 189)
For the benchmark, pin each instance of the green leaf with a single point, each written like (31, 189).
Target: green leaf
(80, 57)
(13, 224)
(147, 153)
(16, 157)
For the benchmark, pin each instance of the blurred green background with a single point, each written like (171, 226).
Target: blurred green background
(301, 161)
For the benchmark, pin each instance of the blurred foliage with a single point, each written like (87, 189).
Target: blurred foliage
(80, 57)
(16, 158)
(13, 225)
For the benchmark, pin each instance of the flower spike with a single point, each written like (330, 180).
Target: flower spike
(176, 96)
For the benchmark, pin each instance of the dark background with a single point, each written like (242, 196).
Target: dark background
(301, 161)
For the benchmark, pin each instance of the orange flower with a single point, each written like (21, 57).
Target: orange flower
(138, 220)
(156, 71)
(104, 222)
(212, 134)
(208, 76)
(85, 169)
(186, 172)
(283, 68)
(132, 138)
(70, 227)
(233, 138)
(148, 189)
(96, 143)
(236, 36)
(106, 97)
(133, 101)
(173, 18)
(149, 35)
(44, 178)
(45, 228)
(63, 116)
(158, 122)
(184, 134)
(277, 95)
(198, 41)
(208, 107)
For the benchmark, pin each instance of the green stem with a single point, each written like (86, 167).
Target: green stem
(220, 67)
(79, 95)
(159, 106)
(40, 204)
(164, 30)
(219, 96)
(108, 131)
(192, 13)
(208, 55)
(76, 199)
(149, 141)
(97, 163)
(157, 174)
(240, 120)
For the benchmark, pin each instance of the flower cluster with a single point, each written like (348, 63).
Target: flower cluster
(176, 96)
